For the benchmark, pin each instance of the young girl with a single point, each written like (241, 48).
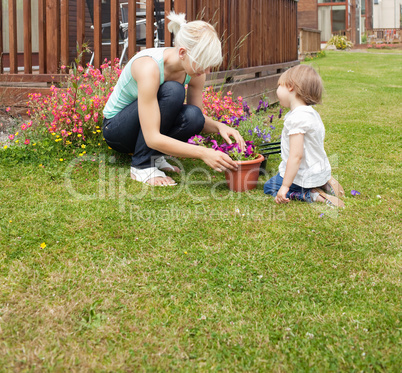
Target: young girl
(305, 172)
(146, 115)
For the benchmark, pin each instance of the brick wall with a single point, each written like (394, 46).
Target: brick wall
(307, 14)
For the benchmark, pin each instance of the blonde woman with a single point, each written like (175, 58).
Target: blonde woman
(146, 115)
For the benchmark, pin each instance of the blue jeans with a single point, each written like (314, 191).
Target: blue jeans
(123, 132)
(295, 192)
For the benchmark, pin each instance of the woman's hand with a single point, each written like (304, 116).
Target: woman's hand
(281, 195)
(228, 132)
(218, 160)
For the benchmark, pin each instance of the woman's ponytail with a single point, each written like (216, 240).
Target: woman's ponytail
(176, 20)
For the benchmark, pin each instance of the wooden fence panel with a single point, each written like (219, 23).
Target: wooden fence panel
(253, 33)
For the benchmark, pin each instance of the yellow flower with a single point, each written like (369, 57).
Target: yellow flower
(17, 141)
(83, 146)
(61, 159)
(98, 131)
(53, 134)
(98, 143)
(17, 134)
(97, 127)
(79, 135)
(5, 147)
(40, 165)
(42, 245)
(80, 155)
(10, 221)
(34, 144)
(84, 152)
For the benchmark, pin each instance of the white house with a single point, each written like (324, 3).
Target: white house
(387, 14)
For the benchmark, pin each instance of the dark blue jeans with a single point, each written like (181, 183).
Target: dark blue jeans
(123, 132)
(295, 192)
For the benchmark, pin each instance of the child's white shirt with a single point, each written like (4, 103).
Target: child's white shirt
(314, 170)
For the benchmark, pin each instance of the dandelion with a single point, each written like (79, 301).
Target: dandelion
(43, 245)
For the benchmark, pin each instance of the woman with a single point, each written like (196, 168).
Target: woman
(146, 115)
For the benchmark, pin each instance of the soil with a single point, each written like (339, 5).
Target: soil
(8, 125)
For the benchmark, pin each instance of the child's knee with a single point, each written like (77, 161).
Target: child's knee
(269, 188)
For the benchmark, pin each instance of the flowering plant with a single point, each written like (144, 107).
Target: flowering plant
(232, 150)
(223, 109)
(74, 115)
(71, 115)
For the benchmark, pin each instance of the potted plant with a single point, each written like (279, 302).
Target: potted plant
(248, 162)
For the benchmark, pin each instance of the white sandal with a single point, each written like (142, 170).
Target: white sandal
(144, 174)
(162, 164)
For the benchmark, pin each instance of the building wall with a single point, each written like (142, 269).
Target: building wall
(387, 13)
(307, 15)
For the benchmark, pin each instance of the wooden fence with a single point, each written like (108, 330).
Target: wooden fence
(259, 39)
(309, 41)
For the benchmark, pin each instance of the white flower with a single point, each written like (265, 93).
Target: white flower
(311, 336)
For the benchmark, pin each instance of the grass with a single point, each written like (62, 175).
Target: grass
(194, 277)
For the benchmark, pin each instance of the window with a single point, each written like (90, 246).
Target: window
(338, 18)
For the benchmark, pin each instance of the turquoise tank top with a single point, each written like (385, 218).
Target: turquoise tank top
(126, 91)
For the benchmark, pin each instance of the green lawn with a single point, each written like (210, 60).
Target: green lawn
(195, 278)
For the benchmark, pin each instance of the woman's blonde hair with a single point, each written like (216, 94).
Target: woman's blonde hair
(199, 38)
(306, 82)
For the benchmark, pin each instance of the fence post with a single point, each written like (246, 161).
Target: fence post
(64, 32)
(12, 30)
(1, 38)
(132, 28)
(114, 29)
(52, 35)
(97, 34)
(27, 37)
(42, 36)
(150, 24)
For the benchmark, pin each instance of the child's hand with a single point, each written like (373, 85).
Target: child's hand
(281, 195)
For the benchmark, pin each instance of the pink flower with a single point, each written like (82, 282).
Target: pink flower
(87, 117)
(11, 137)
(24, 126)
(27, 141)
(8, 109)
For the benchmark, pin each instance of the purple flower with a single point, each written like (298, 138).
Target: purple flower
(280, 113)
(250, 132)
(271, 118)
(197, 140)
(214, 144)
(355, 193)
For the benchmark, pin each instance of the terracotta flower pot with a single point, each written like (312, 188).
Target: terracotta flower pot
(246, 176)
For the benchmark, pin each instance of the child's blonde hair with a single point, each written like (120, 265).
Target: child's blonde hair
(306, 82)
(199, 38)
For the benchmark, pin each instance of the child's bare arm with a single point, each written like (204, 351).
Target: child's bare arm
(296, 145)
